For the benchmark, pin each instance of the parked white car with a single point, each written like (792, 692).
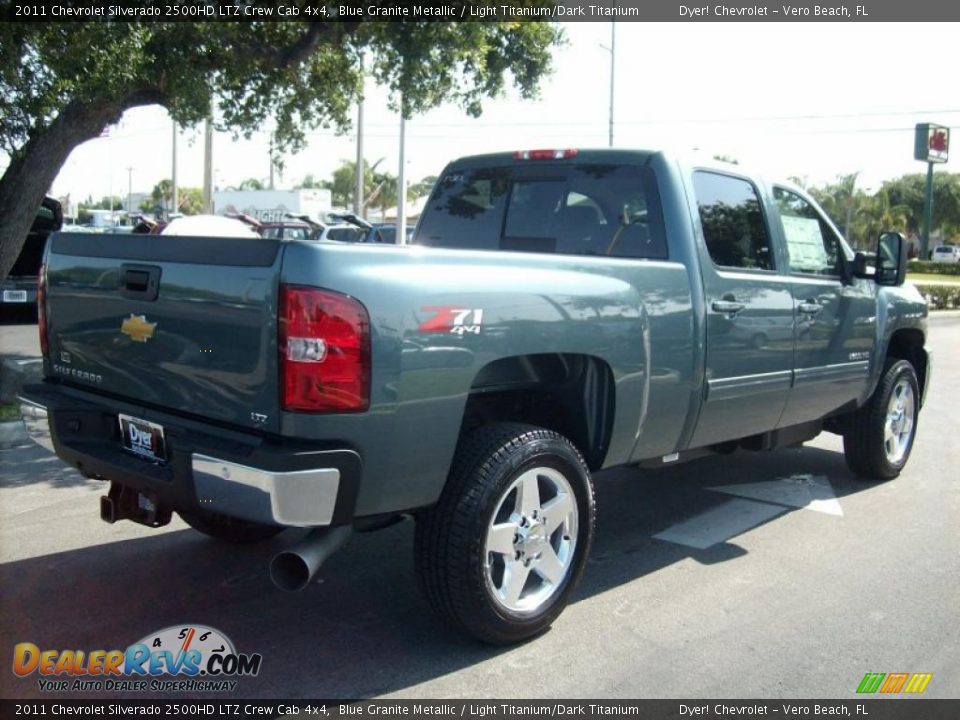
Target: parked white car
(946, 254)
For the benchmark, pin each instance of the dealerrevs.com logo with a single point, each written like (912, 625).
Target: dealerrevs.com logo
(201, 658)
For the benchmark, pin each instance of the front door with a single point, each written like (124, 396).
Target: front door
(834, 319)
(750, 320)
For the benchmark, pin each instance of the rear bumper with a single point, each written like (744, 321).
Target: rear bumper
(271, 481)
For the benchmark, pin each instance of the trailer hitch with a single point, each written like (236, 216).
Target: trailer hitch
(123, 503)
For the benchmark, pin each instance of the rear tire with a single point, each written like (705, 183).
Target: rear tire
(506, 544)
(878, 437)
(229, 529)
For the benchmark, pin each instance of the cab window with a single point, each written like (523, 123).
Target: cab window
(733, 224)
(812, 245)
(568, 209)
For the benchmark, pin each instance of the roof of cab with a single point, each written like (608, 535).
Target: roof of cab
(600, 155)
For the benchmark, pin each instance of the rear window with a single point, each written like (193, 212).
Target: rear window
(582, 209)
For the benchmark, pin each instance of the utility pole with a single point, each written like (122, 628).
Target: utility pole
(208, 167)
(402, 180)
(358, 170)
(113, 220)
(271, 161)
(130, 192)
(175, 201)
(613, 54)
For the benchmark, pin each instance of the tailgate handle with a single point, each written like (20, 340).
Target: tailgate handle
(140, 282)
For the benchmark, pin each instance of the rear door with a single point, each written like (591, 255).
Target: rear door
(749, 338)
(834, 320)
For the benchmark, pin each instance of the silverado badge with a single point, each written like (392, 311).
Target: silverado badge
(137, 328)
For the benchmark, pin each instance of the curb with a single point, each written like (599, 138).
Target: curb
(13, 434)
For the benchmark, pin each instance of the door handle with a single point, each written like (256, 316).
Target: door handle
(727, 307)
(139, 282)
(809, 308)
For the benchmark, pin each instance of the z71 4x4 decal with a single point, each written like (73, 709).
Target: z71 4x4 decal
(452, 319)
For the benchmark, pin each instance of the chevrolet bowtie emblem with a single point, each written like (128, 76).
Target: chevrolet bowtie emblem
(137, 328)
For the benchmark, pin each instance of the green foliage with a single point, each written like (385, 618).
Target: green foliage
(932, 268)
(300, 75)
(309, 182)
(379, 187)
(941, 297)
(423, 188)
(897, 205)
(189, 200)
(909, 191)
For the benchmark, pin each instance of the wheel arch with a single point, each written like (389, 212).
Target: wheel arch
(572, 394)
(908, 344)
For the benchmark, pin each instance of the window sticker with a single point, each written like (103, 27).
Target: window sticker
(804, 244)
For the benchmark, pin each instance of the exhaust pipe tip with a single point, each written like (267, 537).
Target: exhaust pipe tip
(292, 569)
(289, 571)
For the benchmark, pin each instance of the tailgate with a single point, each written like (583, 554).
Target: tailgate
(184, 323)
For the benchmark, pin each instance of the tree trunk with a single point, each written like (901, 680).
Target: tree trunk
(27, 179)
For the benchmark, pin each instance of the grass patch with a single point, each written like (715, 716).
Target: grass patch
(9, 411)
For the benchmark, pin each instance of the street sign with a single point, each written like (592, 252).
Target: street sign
(931, 143)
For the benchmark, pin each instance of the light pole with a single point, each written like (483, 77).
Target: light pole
(358, 170)
(129, 192)
(613, 55)
(174, 200)
(402, 180)
(208, 167)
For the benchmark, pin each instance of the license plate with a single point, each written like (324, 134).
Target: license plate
(143, 438)
(15, 296)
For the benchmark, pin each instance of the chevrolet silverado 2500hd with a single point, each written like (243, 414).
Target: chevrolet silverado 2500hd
(559, 312)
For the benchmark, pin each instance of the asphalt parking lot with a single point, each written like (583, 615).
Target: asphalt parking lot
(751, 575)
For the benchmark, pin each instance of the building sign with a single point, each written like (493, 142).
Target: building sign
(932, 143)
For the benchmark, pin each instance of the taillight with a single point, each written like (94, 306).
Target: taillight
(545, 154)
(324, 347)
(42, 310)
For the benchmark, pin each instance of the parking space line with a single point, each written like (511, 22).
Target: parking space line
(721, 523)
(805, 491)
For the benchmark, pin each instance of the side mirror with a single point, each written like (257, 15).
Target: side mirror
(891, 259)
(862, 265)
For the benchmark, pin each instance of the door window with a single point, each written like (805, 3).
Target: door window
(733, 224)
(812, 245)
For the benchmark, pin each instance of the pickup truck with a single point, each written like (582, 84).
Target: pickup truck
(558, 312)
(19, 288)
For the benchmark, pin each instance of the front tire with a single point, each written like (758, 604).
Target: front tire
(878, 437)
(506, 544)
(229, 529)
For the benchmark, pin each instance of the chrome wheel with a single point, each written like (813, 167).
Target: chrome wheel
(898, 428)
(531, 540)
